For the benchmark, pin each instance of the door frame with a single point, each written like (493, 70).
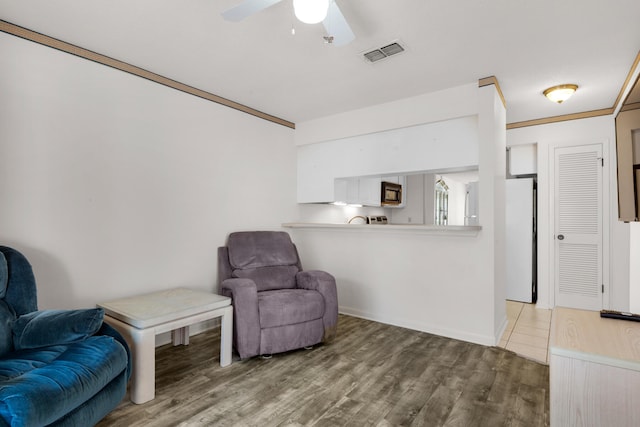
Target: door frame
(606, 217)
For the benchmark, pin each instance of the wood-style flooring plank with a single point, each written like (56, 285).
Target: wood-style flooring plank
(372, 374)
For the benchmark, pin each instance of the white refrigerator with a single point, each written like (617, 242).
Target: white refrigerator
(521, 248)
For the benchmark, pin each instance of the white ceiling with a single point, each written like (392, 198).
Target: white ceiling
(528, 45)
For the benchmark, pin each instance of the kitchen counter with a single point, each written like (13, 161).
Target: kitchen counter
(459, 230)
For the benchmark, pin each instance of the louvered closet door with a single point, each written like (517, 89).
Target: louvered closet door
(578, 227)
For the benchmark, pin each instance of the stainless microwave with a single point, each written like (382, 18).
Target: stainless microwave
(391, 194)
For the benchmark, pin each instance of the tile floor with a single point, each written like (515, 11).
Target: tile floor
(527, 332)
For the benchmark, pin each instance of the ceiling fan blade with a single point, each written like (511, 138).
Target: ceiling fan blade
(247, 8)
(336, 25)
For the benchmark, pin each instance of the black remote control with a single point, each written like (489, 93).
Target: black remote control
(612, 314)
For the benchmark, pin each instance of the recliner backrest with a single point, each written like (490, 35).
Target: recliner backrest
(269, 258)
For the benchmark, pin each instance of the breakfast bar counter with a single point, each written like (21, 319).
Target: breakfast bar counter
(417, 276)
(460, 230)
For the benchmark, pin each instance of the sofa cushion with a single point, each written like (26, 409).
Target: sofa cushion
(7, 317)
(52, 327)
(289, 306)
(251, 249)
(268, 278)
(40, 386)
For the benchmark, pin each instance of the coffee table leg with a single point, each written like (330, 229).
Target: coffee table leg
(226, 330)
(180, 336)
(142, 343)
(143, 381)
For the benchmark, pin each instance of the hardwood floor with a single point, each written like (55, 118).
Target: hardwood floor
(371, 375)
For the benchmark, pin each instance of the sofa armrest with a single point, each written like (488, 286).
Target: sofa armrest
(106, 329)
(246, 316)
(324, 283)
(45, 328)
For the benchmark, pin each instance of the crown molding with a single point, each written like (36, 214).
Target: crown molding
(492, 80)
(24, 33)
(563, 118)
(69, 48)
(594, 113)
(629, 107)
(625, 90)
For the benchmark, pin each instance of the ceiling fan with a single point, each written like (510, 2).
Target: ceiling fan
(307, 11)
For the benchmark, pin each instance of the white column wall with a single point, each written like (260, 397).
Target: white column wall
(492, 211)
(442, 284)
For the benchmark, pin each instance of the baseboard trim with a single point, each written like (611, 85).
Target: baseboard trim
(487, 340)
(198, 328)
(501, 329)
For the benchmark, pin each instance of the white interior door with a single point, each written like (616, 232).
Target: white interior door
(578, 226)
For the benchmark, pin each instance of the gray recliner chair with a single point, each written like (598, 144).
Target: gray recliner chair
(277, 306)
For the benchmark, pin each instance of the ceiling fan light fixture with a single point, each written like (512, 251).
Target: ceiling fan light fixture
(310, 11)
(560, 93)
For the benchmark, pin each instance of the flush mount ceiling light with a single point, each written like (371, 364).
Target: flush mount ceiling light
(560, 93)
(311, 11)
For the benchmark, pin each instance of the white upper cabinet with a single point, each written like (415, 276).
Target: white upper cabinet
(450, 144)
(523, 159)
(369, 191)
(347, 191)
(358, 191)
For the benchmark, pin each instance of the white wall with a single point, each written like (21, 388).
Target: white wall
(445, 284)
(578, 132)
(113, 185)
(432, 107)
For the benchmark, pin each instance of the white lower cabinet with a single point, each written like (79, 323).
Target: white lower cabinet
(594, 370)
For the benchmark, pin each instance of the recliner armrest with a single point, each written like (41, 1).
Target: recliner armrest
(240, 287)
(246, 317)
(324, 283)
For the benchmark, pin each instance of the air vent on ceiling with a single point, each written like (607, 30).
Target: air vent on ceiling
(384, 52)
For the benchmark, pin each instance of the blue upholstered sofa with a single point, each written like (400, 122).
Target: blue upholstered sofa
(57, 367)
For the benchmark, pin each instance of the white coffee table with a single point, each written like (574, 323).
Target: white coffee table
(140, 318)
